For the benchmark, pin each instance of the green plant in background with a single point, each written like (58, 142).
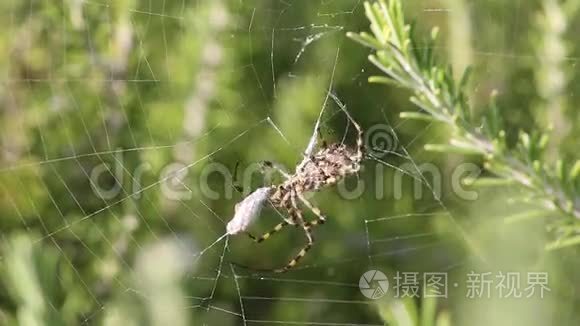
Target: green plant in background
(408, 312)
(31, 279)
(136, 86)
(460, 48)
(442, 99)
(43, 292)
(551, 77)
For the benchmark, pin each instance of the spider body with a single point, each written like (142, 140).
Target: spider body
(318, 170)
(323, 169)
(327, 167)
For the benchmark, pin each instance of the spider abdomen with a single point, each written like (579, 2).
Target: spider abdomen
(328, 166)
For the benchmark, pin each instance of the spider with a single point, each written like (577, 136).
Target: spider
(321, 167)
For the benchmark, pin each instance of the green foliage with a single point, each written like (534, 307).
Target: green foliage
(31, 279)
(132, 87)
(414, 66)
(407, 312)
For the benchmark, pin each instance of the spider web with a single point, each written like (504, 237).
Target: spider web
(191, 231)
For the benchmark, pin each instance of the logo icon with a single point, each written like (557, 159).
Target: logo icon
(380, 140)
(373, 284)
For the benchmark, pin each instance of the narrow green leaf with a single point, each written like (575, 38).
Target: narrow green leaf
(561, 170)
(563, 243)
(575, 171)
(382, 8)
(525, 139)
(365, 39)
(543, 141)
(528, 215)
(384, 80)
(537, 165)
(428, 310)
(400, 312)
(434, 32)
(484, 182)
(371, 15)
(423, 105)
(416, 116)
(465, 78)
(390, 72)
(440, 148)
(443, 319)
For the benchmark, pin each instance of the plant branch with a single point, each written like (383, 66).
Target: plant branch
(443, 99)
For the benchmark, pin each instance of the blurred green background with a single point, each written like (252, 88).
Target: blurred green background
(154, 103)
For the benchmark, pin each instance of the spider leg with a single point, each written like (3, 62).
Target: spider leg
(360, 140)
(313, 141)
(308, 232)
(310, 157)
(265, 165)
(321, 218)
(276, 167)
(267, 235)
(286, 203)
(301, 253)
(237, 186)
(315, 134)
(323, 143)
